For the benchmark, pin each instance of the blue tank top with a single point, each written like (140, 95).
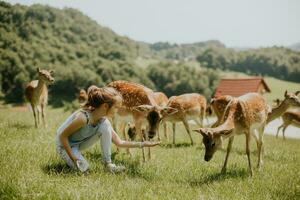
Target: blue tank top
(85, 132)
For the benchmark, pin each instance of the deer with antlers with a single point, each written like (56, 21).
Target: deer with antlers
(246, 115)
(140, 107)
(189, 106)
(36, 93)
(289, 118)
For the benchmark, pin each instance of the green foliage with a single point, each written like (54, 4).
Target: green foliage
(79, 50)
(276, 61)
(182, 51)
(176, 79)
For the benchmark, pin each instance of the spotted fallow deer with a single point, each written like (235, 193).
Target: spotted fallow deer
(247, 115)
(140, 107)
(189, 106)
(289, 118)
(219, 104)
(36, 93)
(162, 100)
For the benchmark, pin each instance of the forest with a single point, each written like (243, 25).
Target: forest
(82, 52)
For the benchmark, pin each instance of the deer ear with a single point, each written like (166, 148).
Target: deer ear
(201, 131)
(296, 93)
(38, 69)
(168, 111)
(285, 93)
(51, 72)
(143, 108)
(224, 132)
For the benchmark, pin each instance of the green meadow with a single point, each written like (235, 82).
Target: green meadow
(31, 169)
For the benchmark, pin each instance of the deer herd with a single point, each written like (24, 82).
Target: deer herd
(143, 111)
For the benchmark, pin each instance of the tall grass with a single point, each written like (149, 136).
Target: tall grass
(31, 169)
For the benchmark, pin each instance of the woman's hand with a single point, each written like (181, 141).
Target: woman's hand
(150, 144)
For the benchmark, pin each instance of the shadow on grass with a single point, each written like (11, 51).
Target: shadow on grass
(58, 168)
(178, 145)
(210, 178)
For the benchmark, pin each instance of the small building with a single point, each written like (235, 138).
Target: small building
(241, 86)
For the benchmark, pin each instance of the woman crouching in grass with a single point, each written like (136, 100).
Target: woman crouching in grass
(88, 125)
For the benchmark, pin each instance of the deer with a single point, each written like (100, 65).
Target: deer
(82, 96)
(246, 115)
(289, 118)
(218, 106)
(290, 99)
(140, 108)
(162, 100)
(189, 106)
(36, 93)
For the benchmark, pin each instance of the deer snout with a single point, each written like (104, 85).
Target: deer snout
(207, 158)
(151, 134)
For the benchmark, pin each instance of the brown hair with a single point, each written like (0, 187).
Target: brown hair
(98, 96)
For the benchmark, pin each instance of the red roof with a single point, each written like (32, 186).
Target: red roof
(238, 87)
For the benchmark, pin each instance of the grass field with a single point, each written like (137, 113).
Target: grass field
(30, 168)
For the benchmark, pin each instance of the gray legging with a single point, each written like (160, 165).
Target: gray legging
(105, 138)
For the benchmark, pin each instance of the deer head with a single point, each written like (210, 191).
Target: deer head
(154, 115)
(46, 75)
(292, 98)
(212, 140)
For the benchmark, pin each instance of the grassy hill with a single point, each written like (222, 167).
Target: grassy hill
(81, 51)
(31, 169)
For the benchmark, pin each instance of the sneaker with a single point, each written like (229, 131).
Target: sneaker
(112, 168)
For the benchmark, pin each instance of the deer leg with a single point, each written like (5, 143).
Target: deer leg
(248, 152)
(283, 131)
(140, 132)
(279, 130)
(43, 115)
(158, 136)
(165, 130)
(34, 115)
(123, 128)
(227, 154)
(187, 127)
(38, 115)
(260, 148)
(174, 129)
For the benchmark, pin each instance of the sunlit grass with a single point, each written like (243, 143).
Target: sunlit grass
(30, 168)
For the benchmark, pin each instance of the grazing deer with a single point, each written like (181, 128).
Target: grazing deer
(36, 93)
(290, 99)
(162, 100)
(289, 118)
(140, 107)
(247, 115)
(82, 96)
(189, 106)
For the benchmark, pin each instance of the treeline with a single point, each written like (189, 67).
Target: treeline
(278, 62)
(175, 79)
(82, 53)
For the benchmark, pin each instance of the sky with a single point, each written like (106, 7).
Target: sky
(236, 23)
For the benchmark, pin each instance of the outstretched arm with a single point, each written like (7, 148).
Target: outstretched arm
(126, 144)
